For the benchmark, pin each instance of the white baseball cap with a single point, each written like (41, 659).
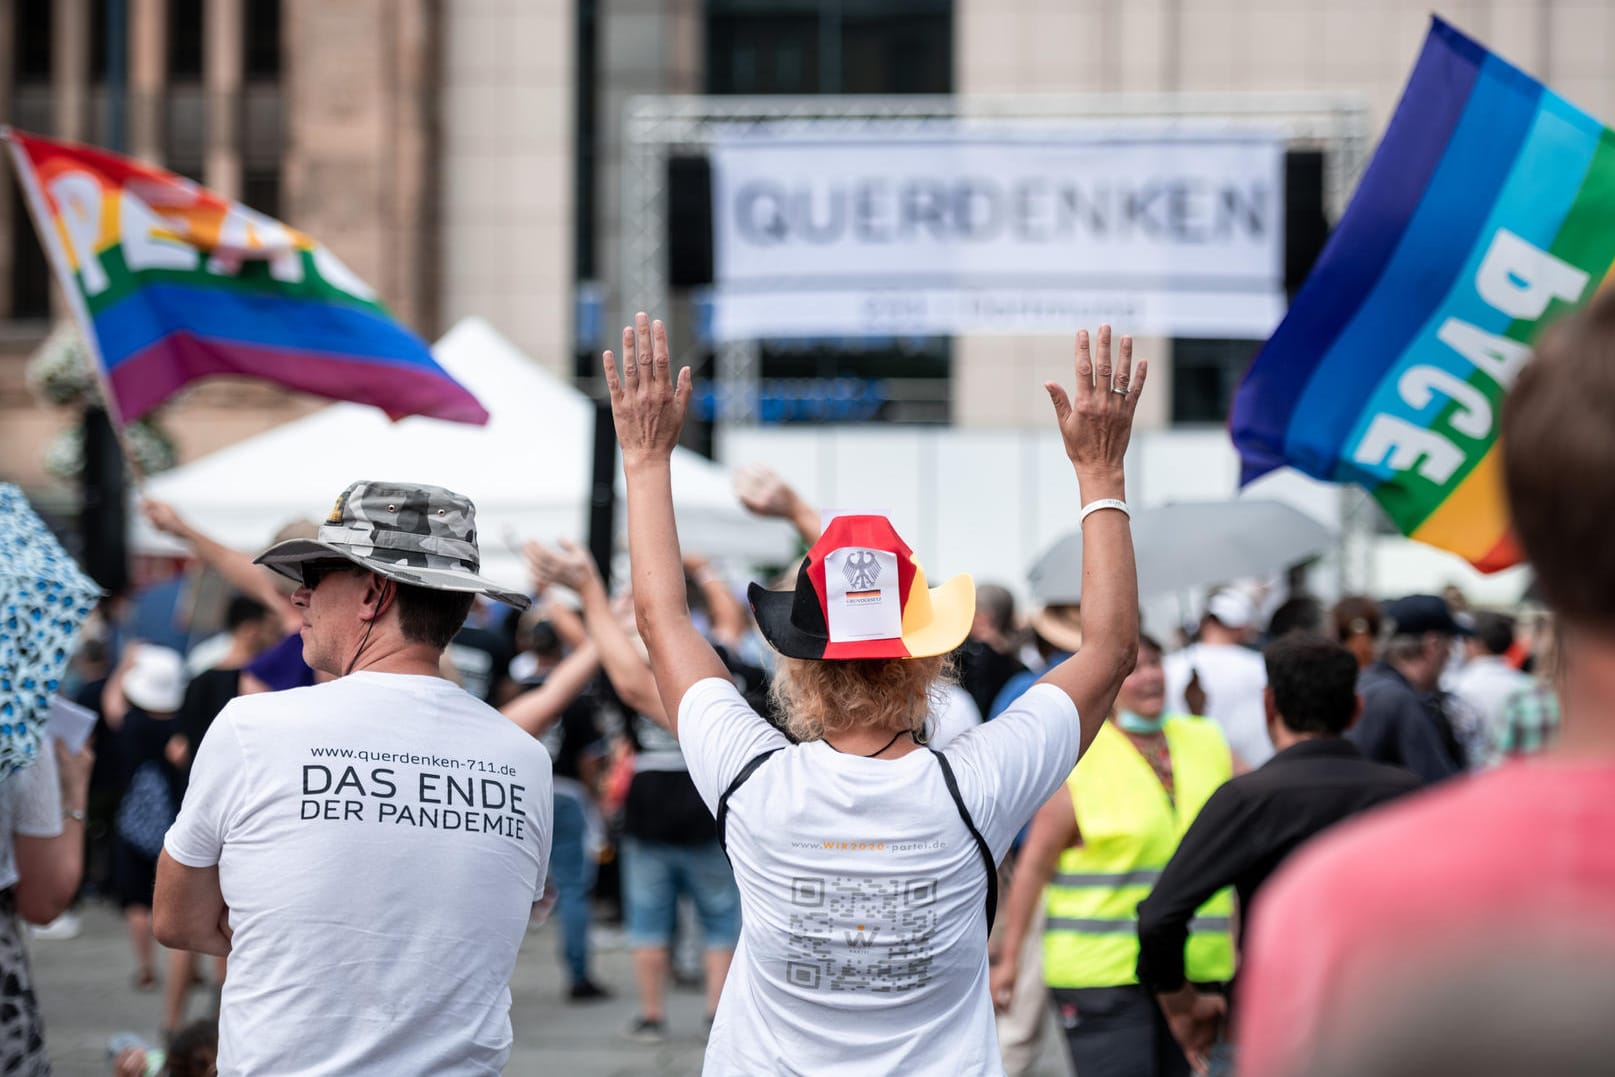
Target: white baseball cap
(155, 680)
(1232, 609)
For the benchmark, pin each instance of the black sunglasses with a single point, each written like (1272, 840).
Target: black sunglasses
(315, 571)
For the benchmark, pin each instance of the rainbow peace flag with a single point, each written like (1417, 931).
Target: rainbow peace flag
(171, 282)
(1487, 211)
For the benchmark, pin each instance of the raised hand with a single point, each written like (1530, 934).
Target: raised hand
(647, 402)
(569, 565)
(763, 492)
(1096, 423)
(162, 516)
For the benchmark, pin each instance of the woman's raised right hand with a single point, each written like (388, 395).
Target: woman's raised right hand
(1096, 421)
(648, 399)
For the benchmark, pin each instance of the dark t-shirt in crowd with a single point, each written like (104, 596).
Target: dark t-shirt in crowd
(663, 804)
(578, 738)
(482, 658)
(205, 697)
(145, 740)
(983, 672)
(575, 735)
(110, 774)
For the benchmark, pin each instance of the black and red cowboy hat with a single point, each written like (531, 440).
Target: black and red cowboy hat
(860, 593)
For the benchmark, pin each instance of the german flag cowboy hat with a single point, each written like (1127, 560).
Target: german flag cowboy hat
(860, 593)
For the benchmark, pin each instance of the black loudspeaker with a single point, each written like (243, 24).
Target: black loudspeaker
(103, 519)
(1306, 225)
(603, 490)
(689, 222)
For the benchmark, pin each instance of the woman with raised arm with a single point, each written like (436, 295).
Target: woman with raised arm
(866, 864)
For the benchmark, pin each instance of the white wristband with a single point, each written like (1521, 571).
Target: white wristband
(1104, 503)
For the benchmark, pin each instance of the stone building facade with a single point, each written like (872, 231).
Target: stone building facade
(464, 156)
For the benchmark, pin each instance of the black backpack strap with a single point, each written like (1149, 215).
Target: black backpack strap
(981, 842)
(746, 771)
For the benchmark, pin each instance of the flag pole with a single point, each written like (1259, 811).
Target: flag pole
(61, 266)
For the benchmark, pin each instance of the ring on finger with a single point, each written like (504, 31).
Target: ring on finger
(1120, 390)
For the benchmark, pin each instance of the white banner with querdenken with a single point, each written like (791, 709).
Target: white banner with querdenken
(897, 229)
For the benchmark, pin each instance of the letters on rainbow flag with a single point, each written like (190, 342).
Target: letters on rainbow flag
(1487, 211)
(172, 282)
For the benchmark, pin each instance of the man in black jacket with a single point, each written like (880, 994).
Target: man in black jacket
(1251, 824)
(1403, 721)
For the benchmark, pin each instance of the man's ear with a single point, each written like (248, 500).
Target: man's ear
(1356, 710)
(1269, 708)
(379, 594)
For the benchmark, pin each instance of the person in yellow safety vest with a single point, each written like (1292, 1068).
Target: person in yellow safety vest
(1099, 844)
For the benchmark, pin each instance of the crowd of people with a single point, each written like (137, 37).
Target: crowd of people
(852, 793)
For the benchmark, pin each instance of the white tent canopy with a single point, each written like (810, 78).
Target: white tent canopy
(528, 470)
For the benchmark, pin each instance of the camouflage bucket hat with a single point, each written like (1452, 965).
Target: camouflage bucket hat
(424, 536)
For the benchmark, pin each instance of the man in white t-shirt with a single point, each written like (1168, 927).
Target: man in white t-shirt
(1230, 675)
(1487, 681)
(366, 851)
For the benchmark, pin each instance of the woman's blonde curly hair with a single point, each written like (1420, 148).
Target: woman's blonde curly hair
(820, 699)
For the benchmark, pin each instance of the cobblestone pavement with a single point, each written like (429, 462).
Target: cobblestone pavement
(86, 994)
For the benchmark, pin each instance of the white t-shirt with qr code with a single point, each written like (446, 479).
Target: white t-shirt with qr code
(863, 946)
(380, 842)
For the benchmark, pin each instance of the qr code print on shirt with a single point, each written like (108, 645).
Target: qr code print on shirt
(850, 934)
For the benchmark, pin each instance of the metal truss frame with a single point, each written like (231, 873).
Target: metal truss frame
(658, 126)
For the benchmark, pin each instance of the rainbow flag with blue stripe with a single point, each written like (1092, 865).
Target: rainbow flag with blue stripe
(1487, 211)
(172, 282)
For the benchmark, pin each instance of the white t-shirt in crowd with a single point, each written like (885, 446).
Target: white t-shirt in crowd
(863, 943)
(1232, 678)
(956, 713)
(30, 805)
(380, 842)
(1487, 683)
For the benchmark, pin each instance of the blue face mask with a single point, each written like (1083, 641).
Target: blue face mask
(1137, 723)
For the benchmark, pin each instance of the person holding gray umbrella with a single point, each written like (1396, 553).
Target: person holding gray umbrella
(1223, 675)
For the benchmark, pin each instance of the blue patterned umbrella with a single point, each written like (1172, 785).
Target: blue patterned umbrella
(44, 599)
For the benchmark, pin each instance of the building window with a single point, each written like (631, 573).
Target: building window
(260, 190)
(32, 42)
(587, 302)
(763, 54)
(587, 162)
(897, 53)
(98, 40)
(184, 40)
(261, 46)
(30, 274)
(1205, 374)
(829, 46)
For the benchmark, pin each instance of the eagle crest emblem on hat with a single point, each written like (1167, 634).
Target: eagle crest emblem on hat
(862, 570)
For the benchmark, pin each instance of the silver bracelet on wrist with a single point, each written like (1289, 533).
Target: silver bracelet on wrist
(1104, 503)
(75, 814)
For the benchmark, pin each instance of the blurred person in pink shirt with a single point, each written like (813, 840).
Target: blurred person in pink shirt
(1515, 860)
